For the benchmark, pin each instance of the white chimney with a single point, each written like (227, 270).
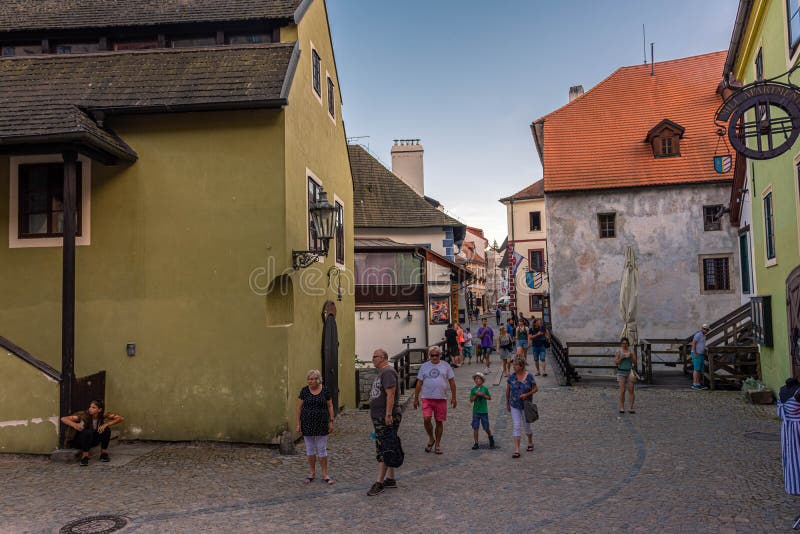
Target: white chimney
(575, 91)
(407, 163)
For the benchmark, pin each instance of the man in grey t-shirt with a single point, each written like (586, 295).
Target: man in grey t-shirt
(698, 357)
(384, 409)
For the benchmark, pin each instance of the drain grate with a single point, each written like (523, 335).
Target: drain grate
(98, 524)
(763, 436)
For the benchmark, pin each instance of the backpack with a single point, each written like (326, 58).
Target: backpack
(392, 449)
(505, 338)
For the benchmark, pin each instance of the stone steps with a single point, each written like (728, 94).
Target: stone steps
(71, 455)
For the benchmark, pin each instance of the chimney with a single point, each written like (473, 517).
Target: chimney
(575, 91)
(407, 163)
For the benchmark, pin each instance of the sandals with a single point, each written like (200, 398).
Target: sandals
(631, 411)
(429, 447)
(530, 448)
(328, 481)
(516, 455)
(308, 480)
(438, 451)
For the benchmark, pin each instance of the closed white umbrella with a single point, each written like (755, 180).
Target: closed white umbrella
(629, 297)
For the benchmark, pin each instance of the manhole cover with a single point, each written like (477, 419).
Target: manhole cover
(763, 436)
(99, 524)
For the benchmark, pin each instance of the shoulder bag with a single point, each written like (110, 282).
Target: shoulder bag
(531, 410)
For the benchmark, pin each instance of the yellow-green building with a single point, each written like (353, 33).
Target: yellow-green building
(765, 201)
(204, 131)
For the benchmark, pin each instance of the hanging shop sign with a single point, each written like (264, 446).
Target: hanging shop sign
(763, 120)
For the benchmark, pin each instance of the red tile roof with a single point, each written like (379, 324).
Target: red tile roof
(597, 140)
(535, 190)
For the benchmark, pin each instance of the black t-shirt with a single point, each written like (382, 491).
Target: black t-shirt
(451, 335)
(387, 378)
(314, 416)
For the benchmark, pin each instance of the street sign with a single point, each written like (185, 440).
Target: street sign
(409, 340)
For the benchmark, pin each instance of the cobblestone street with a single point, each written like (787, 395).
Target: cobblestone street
(685, 462)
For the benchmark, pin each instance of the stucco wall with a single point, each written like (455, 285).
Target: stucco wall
(665, 226)
(28, 408)
(524, 240)
(378, 328)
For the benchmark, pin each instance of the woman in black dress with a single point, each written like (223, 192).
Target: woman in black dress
(315, 421)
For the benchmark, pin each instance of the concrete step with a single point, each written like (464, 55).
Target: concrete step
(71, 455)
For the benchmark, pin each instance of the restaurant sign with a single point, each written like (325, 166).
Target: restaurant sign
(763, 119)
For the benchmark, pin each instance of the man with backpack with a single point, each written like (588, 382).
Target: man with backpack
(384, 409)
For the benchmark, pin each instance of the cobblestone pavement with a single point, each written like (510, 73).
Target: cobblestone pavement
(685, 462)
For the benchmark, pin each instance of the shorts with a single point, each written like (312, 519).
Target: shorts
(698, 362)
(381, 430)
(539, 353)
(467, 352)
(487, 351)
(436, 408)
(623, 377)
(505, 353)
(452, 349)
(480, 419)
(522, 344)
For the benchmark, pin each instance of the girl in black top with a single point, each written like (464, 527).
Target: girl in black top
(315, 421)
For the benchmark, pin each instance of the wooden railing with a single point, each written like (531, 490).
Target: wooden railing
(561, 356)
(406, 363)
(28, 358)
(730, 366)
(599, 351)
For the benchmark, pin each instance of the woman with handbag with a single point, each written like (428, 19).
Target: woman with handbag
(520, 387)
(625, 360)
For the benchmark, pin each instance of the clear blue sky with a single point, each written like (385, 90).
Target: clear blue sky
(468, 77)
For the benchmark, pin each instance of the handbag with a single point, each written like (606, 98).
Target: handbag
(633, 376)
(531, 410)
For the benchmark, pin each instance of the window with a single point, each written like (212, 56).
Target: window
(761, 312)
(536, 221)
(314, 190)
(315, 73)
(142, 44)
(793, 15)
(22, 50)
(388, 278)
(607, 224)
(339, 233)
(744, 260)
(716, 274)
(536, 260)
(76, 48)
(189, 42)
(759, 65)
(331, 100)
(769, 227)
(249, 38)
(666, 147)
(41, 200)
(536, 303)
(711, 222)
(664, 139)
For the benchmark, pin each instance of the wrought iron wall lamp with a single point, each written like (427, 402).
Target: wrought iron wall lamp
(323, 215)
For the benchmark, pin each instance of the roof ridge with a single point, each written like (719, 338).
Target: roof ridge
(187, 50)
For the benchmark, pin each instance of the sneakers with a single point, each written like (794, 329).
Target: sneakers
(104, 457)
(487, 371)
(475, 447)
(491, 442)
(375, 489)
(699, 387)
(389, 483)
(84, 462)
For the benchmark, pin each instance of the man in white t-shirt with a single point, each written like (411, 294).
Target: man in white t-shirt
(433, 379)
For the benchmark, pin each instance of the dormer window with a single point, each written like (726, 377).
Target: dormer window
(665, 138)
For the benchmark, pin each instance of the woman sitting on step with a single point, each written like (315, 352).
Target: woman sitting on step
(93, 428)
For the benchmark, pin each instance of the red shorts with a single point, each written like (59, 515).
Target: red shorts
(436, 408)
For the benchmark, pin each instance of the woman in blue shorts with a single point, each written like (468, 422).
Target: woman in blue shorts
(522, 341)
(538, 337)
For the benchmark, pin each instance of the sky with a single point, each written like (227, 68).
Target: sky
(468, 77)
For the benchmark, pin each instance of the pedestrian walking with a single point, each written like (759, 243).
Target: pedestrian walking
(451, 345)
(315, 422)
(520, 386)
(522, 320)
(93, 428)
(460, 340)
(538, 337)
(467, 350)
(699, 357)
(433, 379)
(505, 347)
(497, 315)
(625, 360)
(384, 409)
(478, 396)
(789, 412)
(486, 335)
(522, 341)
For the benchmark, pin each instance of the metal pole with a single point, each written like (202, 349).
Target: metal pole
(68, 291)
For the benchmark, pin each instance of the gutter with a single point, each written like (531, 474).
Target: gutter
(742, 15)
(290, 71)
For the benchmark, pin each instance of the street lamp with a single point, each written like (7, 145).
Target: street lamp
(323, 219)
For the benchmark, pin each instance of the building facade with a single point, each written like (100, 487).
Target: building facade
(529, 287)
(653, 187)
(764, 45)
(200, 147)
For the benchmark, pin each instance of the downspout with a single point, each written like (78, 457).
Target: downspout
(512, 283)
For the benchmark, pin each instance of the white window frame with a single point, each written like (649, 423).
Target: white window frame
(769, 262)
(791, 58)
(327, 91)
(313, 92)
(85, 239)
(731, 279)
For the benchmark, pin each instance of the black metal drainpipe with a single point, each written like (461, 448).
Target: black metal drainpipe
(68, 291)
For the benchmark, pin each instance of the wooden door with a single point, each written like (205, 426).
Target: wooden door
(793, 316)
(330, 354)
